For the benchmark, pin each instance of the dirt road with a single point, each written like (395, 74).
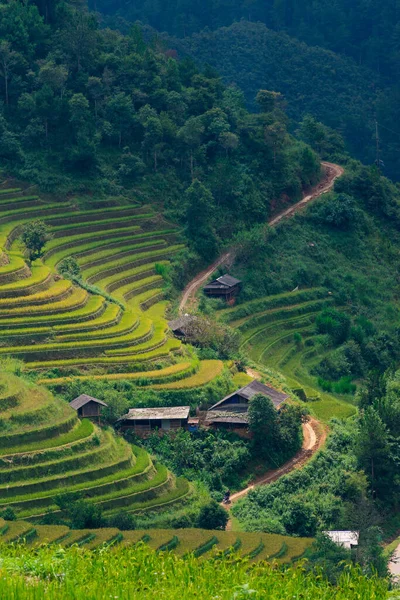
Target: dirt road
(394, 565)
(314, 437)
(331, 173)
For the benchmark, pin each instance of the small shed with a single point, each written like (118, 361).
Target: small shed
(143, 421)
(225, 287)
(88, 407)
(181, 327)
(231, 411)
(347, 539)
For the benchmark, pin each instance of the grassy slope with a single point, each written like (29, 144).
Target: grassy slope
(355, 266)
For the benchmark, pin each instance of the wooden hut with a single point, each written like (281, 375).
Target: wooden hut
(143, 421)
(231, 411)
(88, 407)
(226, 287)
(182, 326)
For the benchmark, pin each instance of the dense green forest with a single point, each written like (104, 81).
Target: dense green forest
(90, 109)
(313, 81)
(338, 62)
(367, 31)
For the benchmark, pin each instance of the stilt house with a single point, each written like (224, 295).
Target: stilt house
(226, 287)
(231, 411)
(88, 407)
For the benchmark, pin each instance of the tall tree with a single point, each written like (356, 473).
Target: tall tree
(200, 213)
(263, 423)
(8, 60)
(373, 450)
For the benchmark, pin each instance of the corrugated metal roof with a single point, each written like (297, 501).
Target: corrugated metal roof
(225, 281)
(156, 413)
(253, 388)
(228, 280)
(85, 399)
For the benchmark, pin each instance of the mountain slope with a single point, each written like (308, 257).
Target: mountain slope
(332, 88)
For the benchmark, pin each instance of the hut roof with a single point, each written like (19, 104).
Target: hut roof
(344, 538)
(253, 388)
(156, 413)
(181, 323)
(227, 416)
(223, 282)
(85, 399)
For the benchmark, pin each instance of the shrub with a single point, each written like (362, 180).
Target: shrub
(338, 210)
(81, 513)
(334, 323)
(212, 516)
(8, 514)
(69, 267)
(123, 521)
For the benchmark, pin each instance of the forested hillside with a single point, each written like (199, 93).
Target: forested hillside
(367, 31)
(88, 109)
(313, 81)
(280, 45)
(130, 170)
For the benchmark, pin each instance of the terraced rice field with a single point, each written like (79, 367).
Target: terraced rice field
(45, 451)
(203, 543)
(52, 323)
(268, 326)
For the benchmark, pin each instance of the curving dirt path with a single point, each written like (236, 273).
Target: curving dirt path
(394, 565)
(331, 173)
(314, 437)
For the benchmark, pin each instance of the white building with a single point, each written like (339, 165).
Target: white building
(347, 539)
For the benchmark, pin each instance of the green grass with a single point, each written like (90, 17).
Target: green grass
(51, 294)
(209, 370)
(95, 274)
(159, 352)
(125, 325)
(89, 251)
(105, 223)
(140, 572)
(39, 274)
(75, 301)
(243, 311)
(178, 370)
(268, 339)
(241, 379)
(100, 237)
(49, 534)
(328, 407)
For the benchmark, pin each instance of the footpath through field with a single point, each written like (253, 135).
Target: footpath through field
(331, 173)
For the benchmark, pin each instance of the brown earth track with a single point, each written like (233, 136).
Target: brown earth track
(331, 173)
(314, 437)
